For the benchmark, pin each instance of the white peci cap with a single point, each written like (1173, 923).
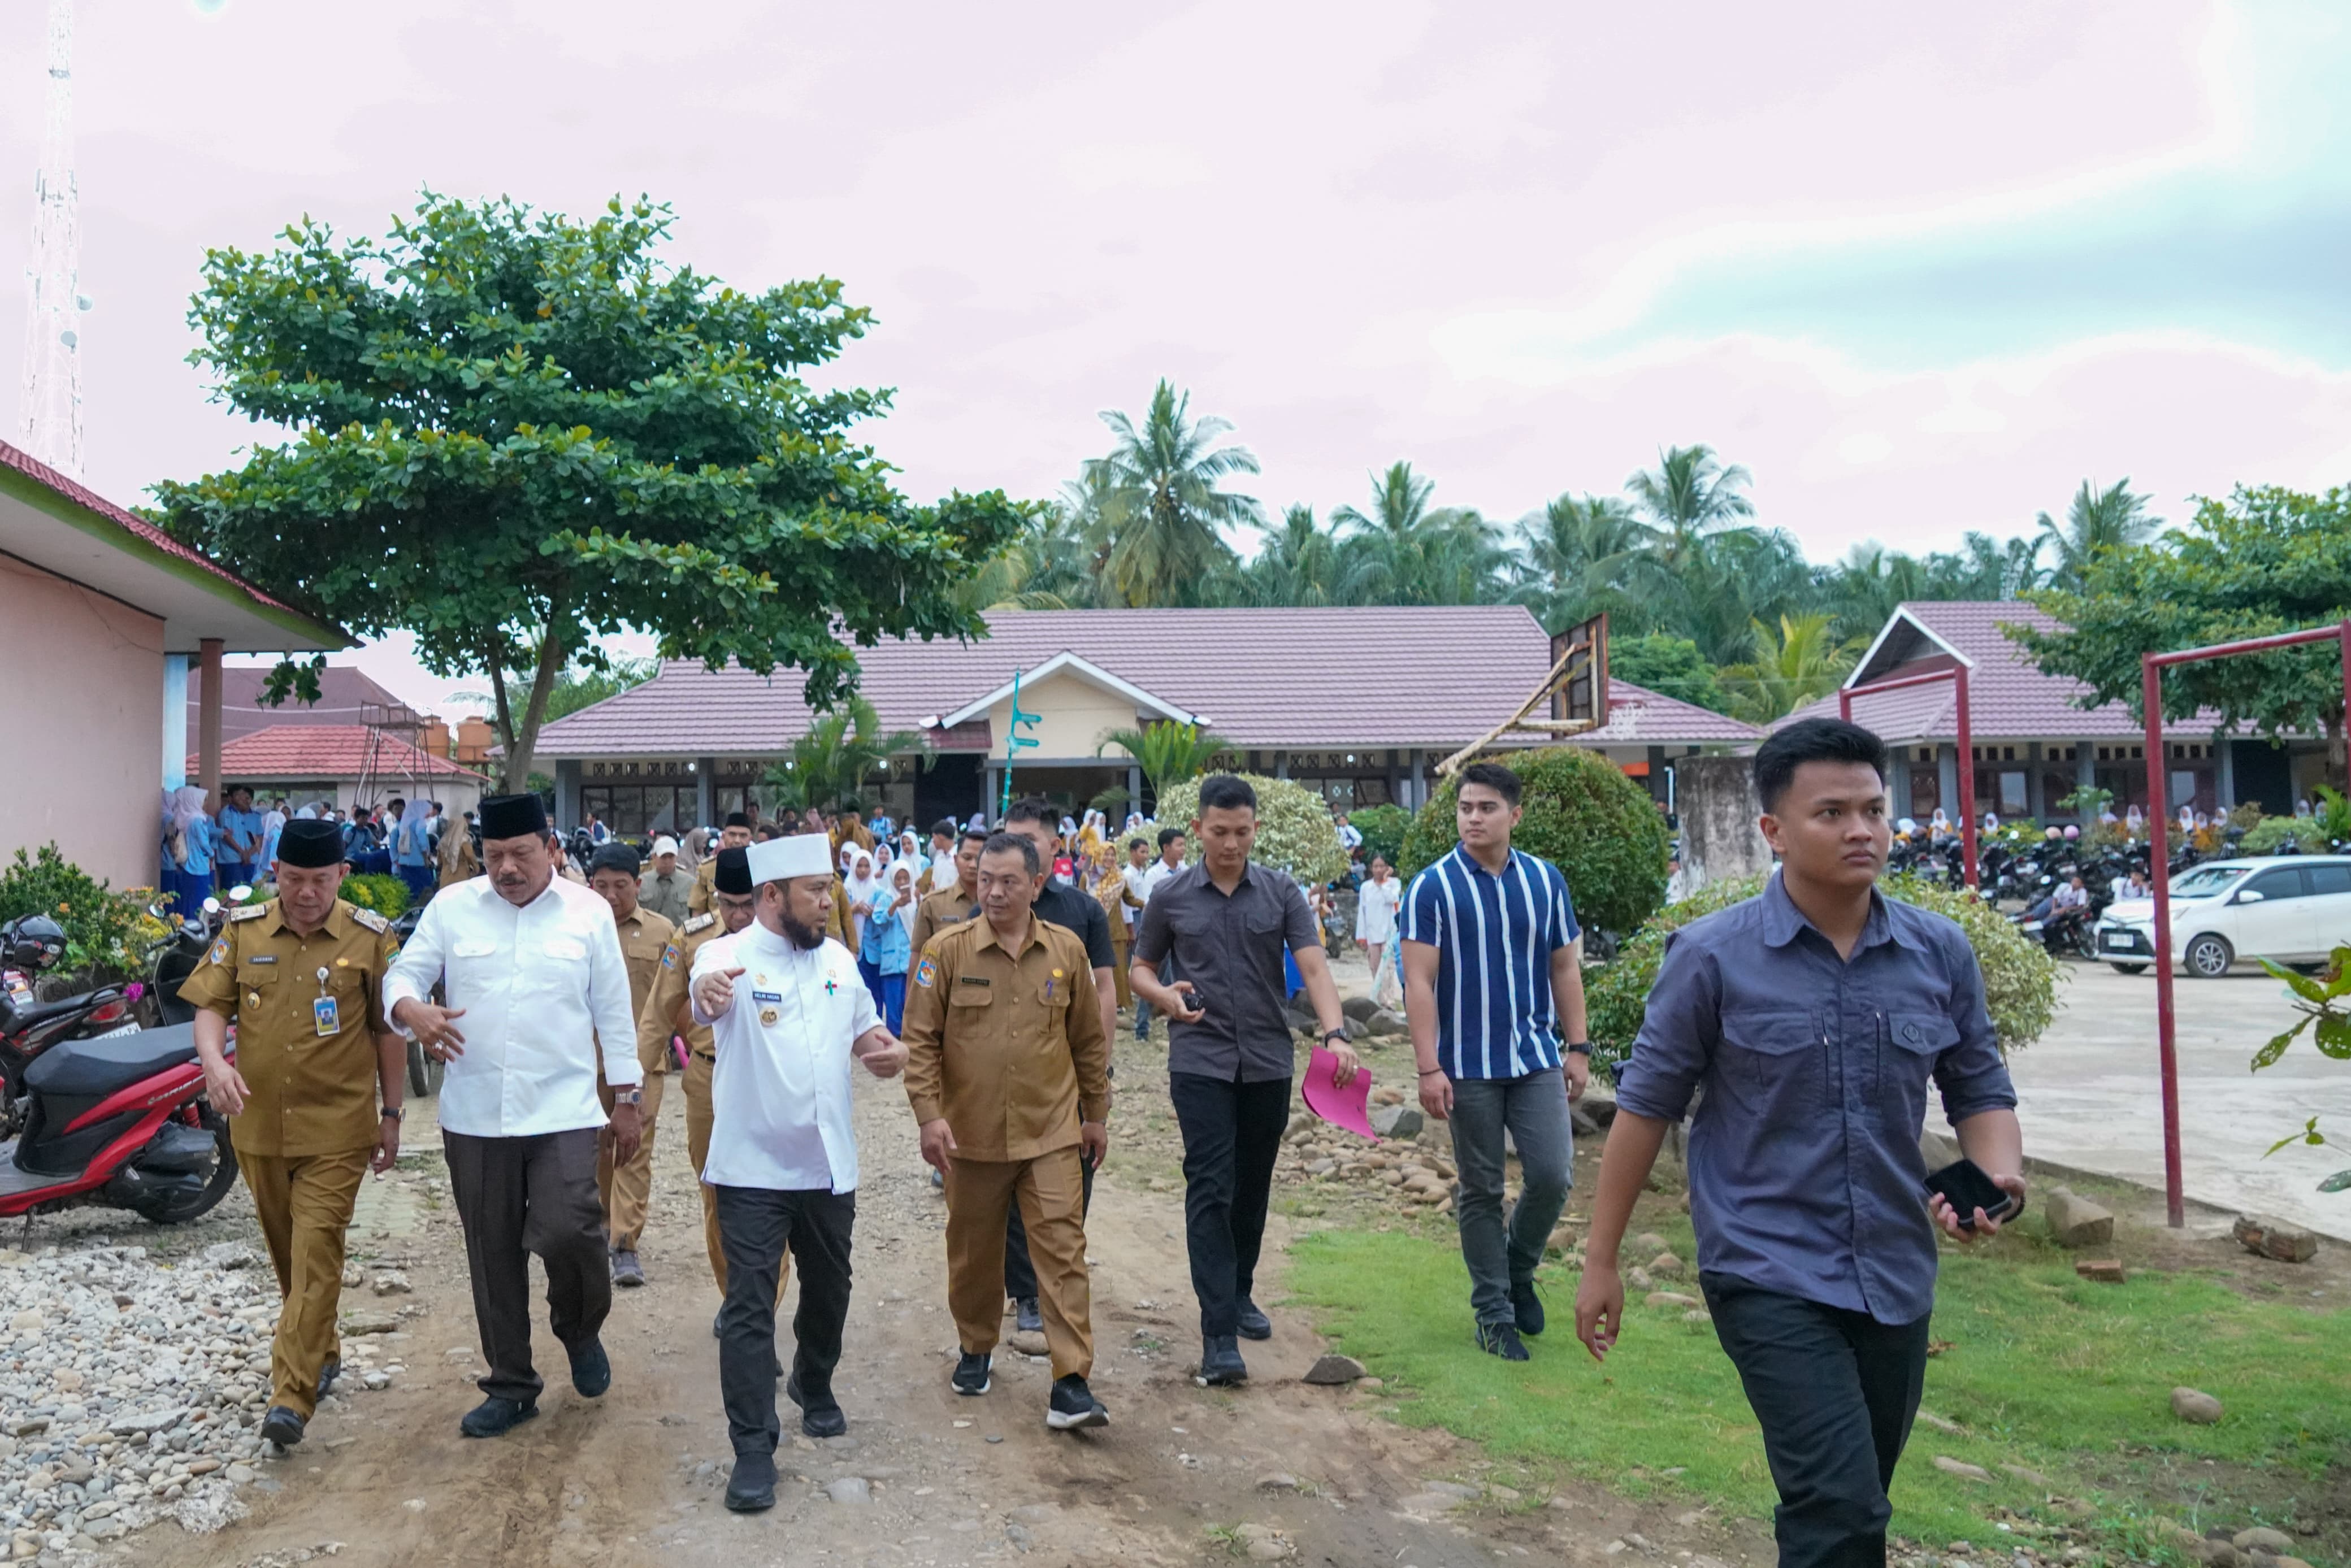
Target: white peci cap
(796, 854)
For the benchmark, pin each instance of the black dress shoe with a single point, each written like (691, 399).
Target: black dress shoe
(1528, 1308)
(627, 1272)
(1253, 1323)
(282, 1427)
(713, 1323)
(818, 1418)
(752, 1488)
(494, 1417)
(331, 1370)
(1221, 1366)
(1025, 1317)
(591, 1369)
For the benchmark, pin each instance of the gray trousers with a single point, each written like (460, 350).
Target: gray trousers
(1502, 1252)
(519, 1195)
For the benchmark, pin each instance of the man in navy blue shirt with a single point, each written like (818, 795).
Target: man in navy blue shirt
(1492, 987)
(1811, 1016)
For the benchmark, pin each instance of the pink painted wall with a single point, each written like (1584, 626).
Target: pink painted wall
(84, 725)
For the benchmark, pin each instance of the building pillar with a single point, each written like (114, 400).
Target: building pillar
(2225, 774)
(1948, 763)
(2036, 803)
(2085, 774)
(991, 789)
(567, 794)
(1897, 788)
(175, 720)
(1135, 789)
(1656, 778)
(1419, 781)
(208, 723)
(705, 792)
(1281, 765)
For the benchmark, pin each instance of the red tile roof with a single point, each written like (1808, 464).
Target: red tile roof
(1374, 676)
(2008, 696)
(304, 751)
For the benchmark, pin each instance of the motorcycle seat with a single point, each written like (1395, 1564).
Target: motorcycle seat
(30, 1018)
(85, 1068)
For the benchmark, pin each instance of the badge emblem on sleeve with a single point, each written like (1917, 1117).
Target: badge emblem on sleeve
(926, 973)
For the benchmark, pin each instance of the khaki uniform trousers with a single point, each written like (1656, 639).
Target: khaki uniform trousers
(627, 1191)
(304, 1203)
(1051, 1192)
(697, 1149)
(1121, 945)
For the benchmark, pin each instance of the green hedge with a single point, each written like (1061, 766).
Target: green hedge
(1383, 828)
(1295, 830)
(387, 895)
(107, 932)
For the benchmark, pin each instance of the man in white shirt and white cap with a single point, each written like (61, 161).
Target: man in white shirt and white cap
(532, 964)
(666, 887)
(787, 1012)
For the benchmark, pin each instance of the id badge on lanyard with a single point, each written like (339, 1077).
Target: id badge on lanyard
(326, 1019)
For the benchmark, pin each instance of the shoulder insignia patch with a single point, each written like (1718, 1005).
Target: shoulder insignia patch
(220, 950)
(248, 911)
(371, 919)
(926, 973)
(698, 923)
(669, 957)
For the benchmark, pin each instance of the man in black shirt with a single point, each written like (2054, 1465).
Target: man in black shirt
(1034, 819)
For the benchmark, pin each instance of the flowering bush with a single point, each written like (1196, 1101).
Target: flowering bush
(2019, 977)
(387, 895)
(107, 933)
(1295, 830)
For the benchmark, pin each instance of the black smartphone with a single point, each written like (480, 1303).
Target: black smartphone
(1196, 1000)
(1965, 1188)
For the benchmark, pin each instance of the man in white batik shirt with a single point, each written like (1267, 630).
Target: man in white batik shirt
(788, 1014)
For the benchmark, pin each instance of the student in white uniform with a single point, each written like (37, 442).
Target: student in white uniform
(787, 1012)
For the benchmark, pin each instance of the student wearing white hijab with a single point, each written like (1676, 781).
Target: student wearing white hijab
(858, 889)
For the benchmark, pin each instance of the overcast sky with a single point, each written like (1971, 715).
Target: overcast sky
(1921, 271)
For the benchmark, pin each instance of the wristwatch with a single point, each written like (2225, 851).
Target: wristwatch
(394, 1113)
(1331, 1034)
(1582, 1048)
(632, 1095)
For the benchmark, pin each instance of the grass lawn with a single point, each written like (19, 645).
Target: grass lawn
(2043, 1370)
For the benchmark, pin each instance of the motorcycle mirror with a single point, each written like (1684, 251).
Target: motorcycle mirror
(240, 893)
(211, 906)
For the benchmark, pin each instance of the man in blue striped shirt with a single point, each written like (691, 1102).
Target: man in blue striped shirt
(1492, 987)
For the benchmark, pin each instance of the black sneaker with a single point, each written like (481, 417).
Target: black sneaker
(1026, 1315)
(282, 1427)
(1502, 1340)
(971, 1373)
(591, 1369)
(1074, 1405)
(1253, 1323)
(821, 1419)
(1528, 1308)
(1221, 1366)
(627, 1272)
(752, 1488)
(328, 1374)
(494, 1417)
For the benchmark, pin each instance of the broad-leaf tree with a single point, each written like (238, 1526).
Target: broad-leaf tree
(1670, 667)
(513, 433)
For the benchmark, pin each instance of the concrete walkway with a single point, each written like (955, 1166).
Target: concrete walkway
(2089, 1094)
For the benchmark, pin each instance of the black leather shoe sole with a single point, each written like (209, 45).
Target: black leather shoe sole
(752, 1488)
(1254, 1324)
(328, 1374)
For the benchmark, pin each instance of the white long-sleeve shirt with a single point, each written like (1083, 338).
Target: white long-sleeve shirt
(544, 987)
(779, 1089)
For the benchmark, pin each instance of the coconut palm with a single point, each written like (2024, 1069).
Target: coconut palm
(1160, 501)
(830, 762)
(1301, 564)
(1056, 564)
(2098, 520)
(1805, 662)
(1582, 555)
(1409, 552)
(1688, 497)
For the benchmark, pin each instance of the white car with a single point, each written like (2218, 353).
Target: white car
(2293, 909)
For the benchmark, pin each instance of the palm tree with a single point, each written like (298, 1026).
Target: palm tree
(1581, 553)
(2098, 520)
(1056, 564)
(1406, 552)
(1160, 503)
(1688, 497)
(830, 763)
(1167, 752)
(1802, 663)
(1301, 564)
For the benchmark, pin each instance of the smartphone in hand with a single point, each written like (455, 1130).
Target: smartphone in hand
(1964, 1186)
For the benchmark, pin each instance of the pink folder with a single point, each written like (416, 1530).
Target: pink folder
(1341, 1107)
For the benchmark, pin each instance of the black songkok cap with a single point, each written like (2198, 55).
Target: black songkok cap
(311, 843)
(616, 857)
(513, 817)
(737, 819)
(734, 874)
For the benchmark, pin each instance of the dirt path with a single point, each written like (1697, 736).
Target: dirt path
(1182, 1475)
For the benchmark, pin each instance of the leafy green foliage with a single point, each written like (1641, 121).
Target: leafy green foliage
(2098, 520)
(830, 763)
(516, 433)
(1161, 501)
(2265, 561)
(1383, 828)
(1805, 662)
(1167, 752)
(2019, 977)
(1670, 667)
(1601, 829)
(107, 932)
(387, 895)
(2271, 835)
(1295, 830)
(2327, 1018)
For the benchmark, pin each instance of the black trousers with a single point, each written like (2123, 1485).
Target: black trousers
(1834, 1392)
(1232, 1135)
(517, 1197)
(755, 1226)
(1019, 1274)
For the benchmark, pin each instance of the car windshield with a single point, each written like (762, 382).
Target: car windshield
(2207, 882)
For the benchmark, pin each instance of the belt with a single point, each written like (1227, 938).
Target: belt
(709, 1056)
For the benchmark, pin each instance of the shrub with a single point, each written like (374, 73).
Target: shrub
(107, 933)
(2019, 977)
(387, 895)
(1602, 830)
(1383, 828)
(1294, 828)
(2272, 835)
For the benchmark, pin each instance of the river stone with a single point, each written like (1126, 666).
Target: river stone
(1332, 1371)
(2269, 1238)
(1397, 1121)
(2261, 1538)
(849, 1490)
(2076, 1221)
(2193, 1404)
(1961, 1468)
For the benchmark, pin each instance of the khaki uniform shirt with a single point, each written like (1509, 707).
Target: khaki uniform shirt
(458, 861)
(309, 1093)
(1009, 1049)
(657, 1017)
(667, 896)
(934, 915)
(704, 897)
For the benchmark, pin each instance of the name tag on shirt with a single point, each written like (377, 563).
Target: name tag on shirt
(325, 1018)
(768, 998)
(565, 947)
